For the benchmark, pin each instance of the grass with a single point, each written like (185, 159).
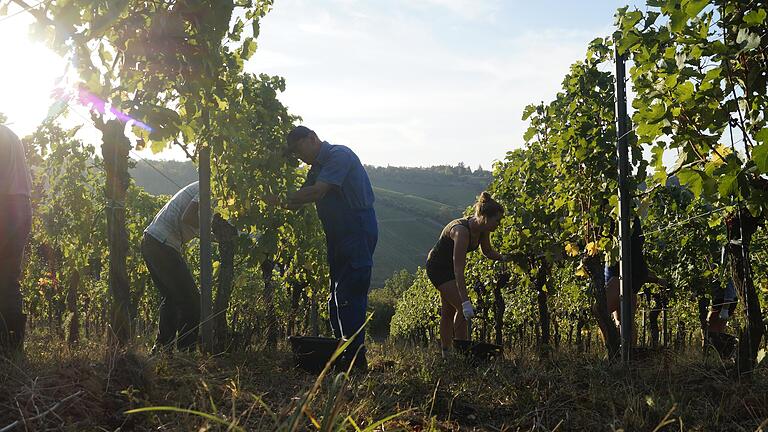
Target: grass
(262, 391)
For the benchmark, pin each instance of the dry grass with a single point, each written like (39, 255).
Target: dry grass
(262, 391)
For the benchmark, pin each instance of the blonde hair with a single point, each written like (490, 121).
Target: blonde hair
(488, 207)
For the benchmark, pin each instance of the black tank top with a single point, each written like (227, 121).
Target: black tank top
(442, 253)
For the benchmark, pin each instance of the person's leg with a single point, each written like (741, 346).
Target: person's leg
(634, 314)
(168, 314)
(603, 329)
(613, 301)
(715, 323)
(189, 306)
(15, 225)
(181, 313)
(333, 310)
(450, 292)
(447, 314)
(612, 295)
(168, 324)
(716, 333)
(351, 297)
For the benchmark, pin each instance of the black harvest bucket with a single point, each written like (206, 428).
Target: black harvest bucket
(311, 353)
(478, 350)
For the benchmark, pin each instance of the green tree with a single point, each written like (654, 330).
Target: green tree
(701, 92)
(531, 226)
(417, 314)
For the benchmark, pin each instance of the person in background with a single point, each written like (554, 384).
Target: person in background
(339, 186)
(641, 275)
(162, 246)
(447, 260)
(724, 301)
(15, 225)
(723, 305)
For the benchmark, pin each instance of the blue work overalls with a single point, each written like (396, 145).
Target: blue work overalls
(351, 232)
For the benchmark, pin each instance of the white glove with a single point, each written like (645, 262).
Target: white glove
(469, 311)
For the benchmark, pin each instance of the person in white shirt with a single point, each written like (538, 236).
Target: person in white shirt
(161, 247)
(15, 225)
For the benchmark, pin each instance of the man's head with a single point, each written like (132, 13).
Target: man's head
(303, 143)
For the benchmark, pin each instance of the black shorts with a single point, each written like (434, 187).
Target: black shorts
(439, 274)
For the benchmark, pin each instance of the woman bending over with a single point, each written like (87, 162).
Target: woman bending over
(447, 260)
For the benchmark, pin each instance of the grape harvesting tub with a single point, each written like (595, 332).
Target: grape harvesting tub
(312, 353)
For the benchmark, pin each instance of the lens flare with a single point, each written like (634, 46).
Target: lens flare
(88, 99)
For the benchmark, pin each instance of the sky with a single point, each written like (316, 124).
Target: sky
(401, 82)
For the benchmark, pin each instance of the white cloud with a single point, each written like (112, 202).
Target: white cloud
(399, 93)
(484, 10)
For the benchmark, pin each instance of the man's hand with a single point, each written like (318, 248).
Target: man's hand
(191, 215)
(275, 201)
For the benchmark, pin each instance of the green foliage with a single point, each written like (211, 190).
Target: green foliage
(69, 232)
(382, 302)
(417, 313)
(176, 69)
(700, 92)
(700, 86)
(400, 281)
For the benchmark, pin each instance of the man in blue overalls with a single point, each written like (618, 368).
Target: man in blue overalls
(339, 186)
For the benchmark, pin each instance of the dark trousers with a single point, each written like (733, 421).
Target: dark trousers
(350, 281)
(348, 303)
(15, 224)
(180, 299)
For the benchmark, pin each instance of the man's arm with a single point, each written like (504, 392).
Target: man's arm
(191, 215)
(307, 195)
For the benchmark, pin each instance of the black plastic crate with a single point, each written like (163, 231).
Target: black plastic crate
(478, 350)
(312, 353)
